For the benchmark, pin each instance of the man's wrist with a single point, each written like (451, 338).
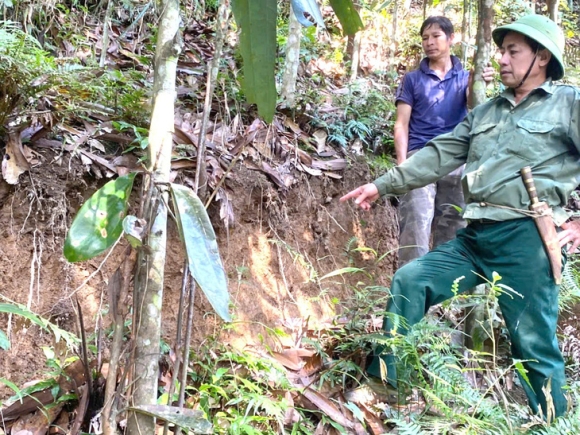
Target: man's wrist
(381, 185)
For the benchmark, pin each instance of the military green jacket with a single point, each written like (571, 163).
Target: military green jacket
(495, 141)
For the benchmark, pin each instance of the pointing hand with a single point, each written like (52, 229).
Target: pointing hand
(364, 195)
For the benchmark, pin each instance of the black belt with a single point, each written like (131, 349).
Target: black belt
(481, 221)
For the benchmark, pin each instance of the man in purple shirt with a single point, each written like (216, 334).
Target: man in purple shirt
(431, 101)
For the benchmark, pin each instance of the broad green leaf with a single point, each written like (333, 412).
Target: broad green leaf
(28, 391)
(34, 388)
(257, 20)
(339, 428)
(4, 341)
(347, 15)
(163, 399)
(191, 419)
(98, 224)
(54, 391)
(201, 247)
(302, 7)
(67, 398)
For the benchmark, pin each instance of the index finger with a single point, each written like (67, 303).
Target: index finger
(350, 194)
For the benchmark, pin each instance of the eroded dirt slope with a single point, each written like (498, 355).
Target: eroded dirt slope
(280, 242)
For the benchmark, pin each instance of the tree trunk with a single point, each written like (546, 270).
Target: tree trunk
(355, 58)
(483, 53)
(465, 33)
(553, 9)
(353, 49)
(151, 263)
(394, 39)
(474, 322)
(292, 60)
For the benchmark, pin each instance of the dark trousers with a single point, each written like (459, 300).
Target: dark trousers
(429, 213)
(514, 250)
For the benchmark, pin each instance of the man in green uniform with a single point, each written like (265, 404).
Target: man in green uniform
(532, 123)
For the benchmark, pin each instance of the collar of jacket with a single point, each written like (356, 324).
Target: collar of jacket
(548, 87)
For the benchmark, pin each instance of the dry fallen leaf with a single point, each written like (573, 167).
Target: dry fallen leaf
(374, 424)
(312, 364)
(327, 407)
(60, 425)
(31, 156)
(330, 165)
(14, 162)
(289, 358)
(36, 423)
(320, 136)
(309, 170)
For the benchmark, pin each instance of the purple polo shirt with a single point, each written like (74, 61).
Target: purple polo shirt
(437, 105)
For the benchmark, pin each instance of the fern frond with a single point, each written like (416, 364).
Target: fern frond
(569, 289)
(407, 427)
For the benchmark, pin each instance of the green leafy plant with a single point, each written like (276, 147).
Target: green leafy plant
(24, 71)
(99, 224)
(56, 363)
(71, 340)
(128, 92)
(570, 290)
(201, 247)
(367, 114)
(141, 134)
(567, 424)
(237, 391)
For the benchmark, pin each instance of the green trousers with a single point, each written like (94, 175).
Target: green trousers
(515, 251)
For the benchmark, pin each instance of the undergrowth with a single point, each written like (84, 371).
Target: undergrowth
(32, 80)
(450, 390)
(240, 392)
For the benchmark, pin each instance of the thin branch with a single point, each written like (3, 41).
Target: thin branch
(105, 42)
(213, 69)
(92, 275)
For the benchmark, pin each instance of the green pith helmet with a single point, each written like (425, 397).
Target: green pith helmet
(544, 31)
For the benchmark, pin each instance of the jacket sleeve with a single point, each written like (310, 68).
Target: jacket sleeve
(438, 158)
(574, 129)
